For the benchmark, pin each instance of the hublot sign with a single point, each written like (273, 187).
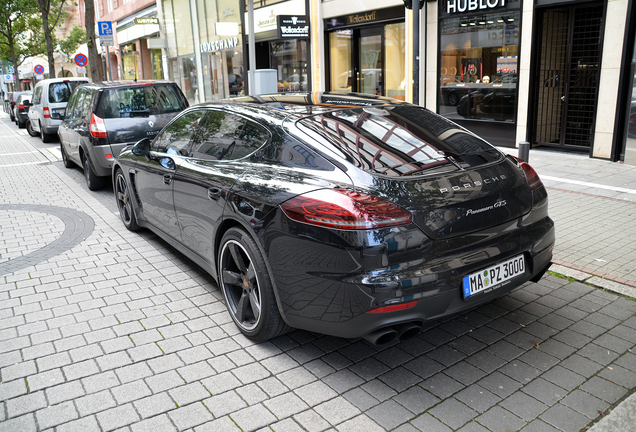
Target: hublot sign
(450, 8)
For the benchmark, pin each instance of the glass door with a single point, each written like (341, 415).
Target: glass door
(370, 57)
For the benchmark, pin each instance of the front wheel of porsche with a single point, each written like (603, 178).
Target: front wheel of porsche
(124, 202)
(247, 288)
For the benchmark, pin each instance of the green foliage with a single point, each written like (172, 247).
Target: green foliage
(20, 30)
(69, 45)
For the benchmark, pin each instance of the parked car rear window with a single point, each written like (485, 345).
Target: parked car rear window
(140, 101)
(61, 92)
(400, 141)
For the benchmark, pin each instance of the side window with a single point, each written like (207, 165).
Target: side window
(84, 106)
(37, 96)
(176, 138)
(226, 136)
(72, 105)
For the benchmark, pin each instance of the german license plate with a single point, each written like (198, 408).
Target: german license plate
(493, 276)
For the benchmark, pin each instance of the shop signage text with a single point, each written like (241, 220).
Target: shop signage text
(293, 26)
(460, 6)
(146, 20)
(219, 45)
(362, 18)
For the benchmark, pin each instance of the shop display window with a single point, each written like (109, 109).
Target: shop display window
(479, 66)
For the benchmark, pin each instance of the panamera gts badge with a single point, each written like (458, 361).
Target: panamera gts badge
(500, 203)
(151, 123)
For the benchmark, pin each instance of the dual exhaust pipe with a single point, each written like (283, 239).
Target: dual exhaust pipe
(400, 332)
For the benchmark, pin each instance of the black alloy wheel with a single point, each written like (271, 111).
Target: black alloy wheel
(65, 160)
(247, 288)
(124, 202)
(30, 129)
(93, 181)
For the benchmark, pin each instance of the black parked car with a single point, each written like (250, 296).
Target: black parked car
(102, 118)
(355, 216)
(13, 98)
(21, 109)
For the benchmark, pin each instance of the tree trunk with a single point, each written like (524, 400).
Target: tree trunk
(94, 69)
(14, 60)
(45, 8)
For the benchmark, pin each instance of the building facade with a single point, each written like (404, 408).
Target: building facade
(556, 73)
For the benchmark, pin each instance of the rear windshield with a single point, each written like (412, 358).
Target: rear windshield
(399, 141)
(61, 92)
(141, 101)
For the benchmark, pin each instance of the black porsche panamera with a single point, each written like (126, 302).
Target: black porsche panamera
(336, 213)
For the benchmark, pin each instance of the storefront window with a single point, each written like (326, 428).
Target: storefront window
(288, 58)
(223, 74)
(395, 76)
(129, 62)
(340, 51)
(157, 64)
(479, 66)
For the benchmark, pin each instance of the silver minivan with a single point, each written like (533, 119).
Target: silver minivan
(50, 97)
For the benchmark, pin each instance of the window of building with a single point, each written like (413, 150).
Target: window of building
(479, 66)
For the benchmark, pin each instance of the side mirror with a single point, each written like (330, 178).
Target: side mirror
(142, 147)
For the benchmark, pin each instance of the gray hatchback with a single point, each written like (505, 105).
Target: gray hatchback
(102, 118)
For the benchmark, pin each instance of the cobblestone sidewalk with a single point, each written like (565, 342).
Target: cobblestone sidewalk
(110, 330)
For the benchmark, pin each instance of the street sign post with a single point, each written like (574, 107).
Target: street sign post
(80, 59)
(106, 39)
(105, 33)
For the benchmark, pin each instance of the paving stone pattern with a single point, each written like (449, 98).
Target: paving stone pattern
(120, 332)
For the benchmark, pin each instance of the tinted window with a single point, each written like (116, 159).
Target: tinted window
(227, 136)
(37, 95)
(176, 138)
(400, 141)
(61, 91)
(72, 105)
(140, 101)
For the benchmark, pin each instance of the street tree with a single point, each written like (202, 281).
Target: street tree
(20, 33)
(94, 71)
(52, 12)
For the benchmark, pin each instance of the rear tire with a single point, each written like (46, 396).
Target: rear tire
(21, 125)
(93, 181)
(30, 129)
(46, 138)
(247, 287)
(123, 197)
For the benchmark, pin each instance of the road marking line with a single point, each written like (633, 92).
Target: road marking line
(591, 185)
(15, 154)
(26, 163)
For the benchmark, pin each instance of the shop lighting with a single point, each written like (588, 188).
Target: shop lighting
(472, 23)
(510, 19)
(500, 20)
(491, 22)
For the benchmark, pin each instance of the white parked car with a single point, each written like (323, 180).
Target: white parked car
(50, 97)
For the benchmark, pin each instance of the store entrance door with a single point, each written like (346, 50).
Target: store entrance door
(567, 76)
(369, 59)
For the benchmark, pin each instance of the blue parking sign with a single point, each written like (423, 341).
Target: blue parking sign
(105, 28)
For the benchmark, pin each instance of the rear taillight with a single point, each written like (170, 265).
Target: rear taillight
(534, 182)
(97, 127)
(346, 210)
(20, 106)
(46, 112)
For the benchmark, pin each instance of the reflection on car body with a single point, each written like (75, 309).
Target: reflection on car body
(350, 216)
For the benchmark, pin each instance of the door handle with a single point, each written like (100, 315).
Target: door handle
(214, 193)
(562, 98)
(167, 179)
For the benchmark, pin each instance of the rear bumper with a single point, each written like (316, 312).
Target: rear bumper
(328, 284)
(103, 157)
